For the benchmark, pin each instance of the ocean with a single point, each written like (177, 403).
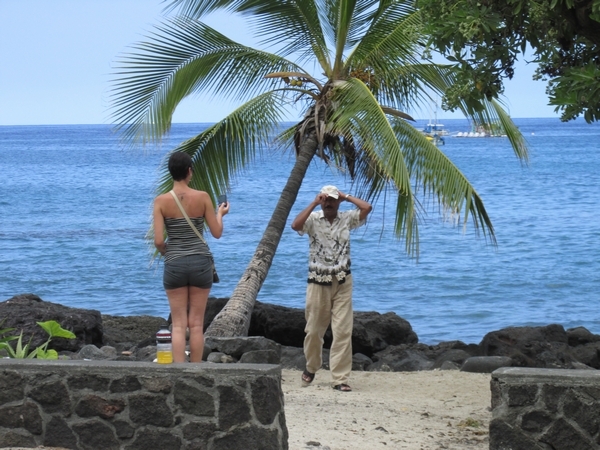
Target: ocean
(75, 206)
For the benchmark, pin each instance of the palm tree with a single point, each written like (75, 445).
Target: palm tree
(367, 71)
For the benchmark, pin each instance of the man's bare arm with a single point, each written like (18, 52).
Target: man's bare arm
(300, 219)
(364, 207)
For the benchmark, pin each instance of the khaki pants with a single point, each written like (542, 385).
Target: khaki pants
(324, 305)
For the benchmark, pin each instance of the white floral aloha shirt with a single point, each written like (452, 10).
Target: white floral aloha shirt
(329, 245)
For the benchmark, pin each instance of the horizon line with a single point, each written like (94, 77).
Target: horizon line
(212, 123)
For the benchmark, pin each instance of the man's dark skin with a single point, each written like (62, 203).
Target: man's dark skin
(330, 207)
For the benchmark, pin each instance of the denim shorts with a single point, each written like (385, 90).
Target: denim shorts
(191, 270)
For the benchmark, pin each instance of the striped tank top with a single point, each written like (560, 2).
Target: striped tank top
(182, 240)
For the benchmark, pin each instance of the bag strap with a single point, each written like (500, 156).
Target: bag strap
(187, 217)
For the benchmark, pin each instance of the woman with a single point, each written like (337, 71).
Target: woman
(188, 274)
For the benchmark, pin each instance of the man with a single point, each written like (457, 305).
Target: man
(329, 290)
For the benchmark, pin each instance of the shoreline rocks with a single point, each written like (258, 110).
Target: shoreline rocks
(381, 342)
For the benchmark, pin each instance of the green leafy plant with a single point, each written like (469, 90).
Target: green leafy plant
(4, 339)
(21, 351)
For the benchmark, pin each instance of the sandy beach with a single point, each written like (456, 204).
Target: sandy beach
(427, 410)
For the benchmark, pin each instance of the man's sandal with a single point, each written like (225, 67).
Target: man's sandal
(342, 387)
(307, 377)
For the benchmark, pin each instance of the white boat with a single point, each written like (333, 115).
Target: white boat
(471, 134)
(435, 128)
(435, 131)
(480, 131)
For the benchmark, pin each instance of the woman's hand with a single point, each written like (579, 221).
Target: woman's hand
(223, 209)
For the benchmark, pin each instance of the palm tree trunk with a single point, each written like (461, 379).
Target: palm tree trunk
(234, 318)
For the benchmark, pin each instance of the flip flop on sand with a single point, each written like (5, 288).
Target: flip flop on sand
(342, 387)
(307, 377)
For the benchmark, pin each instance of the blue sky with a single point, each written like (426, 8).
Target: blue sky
(58, 56)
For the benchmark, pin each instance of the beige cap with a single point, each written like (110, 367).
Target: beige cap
(331, 191)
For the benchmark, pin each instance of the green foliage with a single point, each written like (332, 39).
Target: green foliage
(484, 38)
(21, 351)
(4, 339)
(577, 92)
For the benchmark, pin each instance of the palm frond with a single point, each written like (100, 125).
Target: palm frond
(358, 117)
(364, 16)
(422, 83)
(491, 114)
(411, 87)
(197, 9)
(435, 176)
(301, 21)
(340, 16)
(392, 39)
(224, 149)
(299, 18)
(395, 112)
(390, 54)
(285, 138)
(513, 134)
(438, 78)
(184, 57)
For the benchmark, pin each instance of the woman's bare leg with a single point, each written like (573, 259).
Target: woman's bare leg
(198, 299)
(178, 302)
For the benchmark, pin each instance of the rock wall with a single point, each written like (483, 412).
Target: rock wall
(138, 405)
(542, 409)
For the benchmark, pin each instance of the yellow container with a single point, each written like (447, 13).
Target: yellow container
(164, 350)
(164, 357)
